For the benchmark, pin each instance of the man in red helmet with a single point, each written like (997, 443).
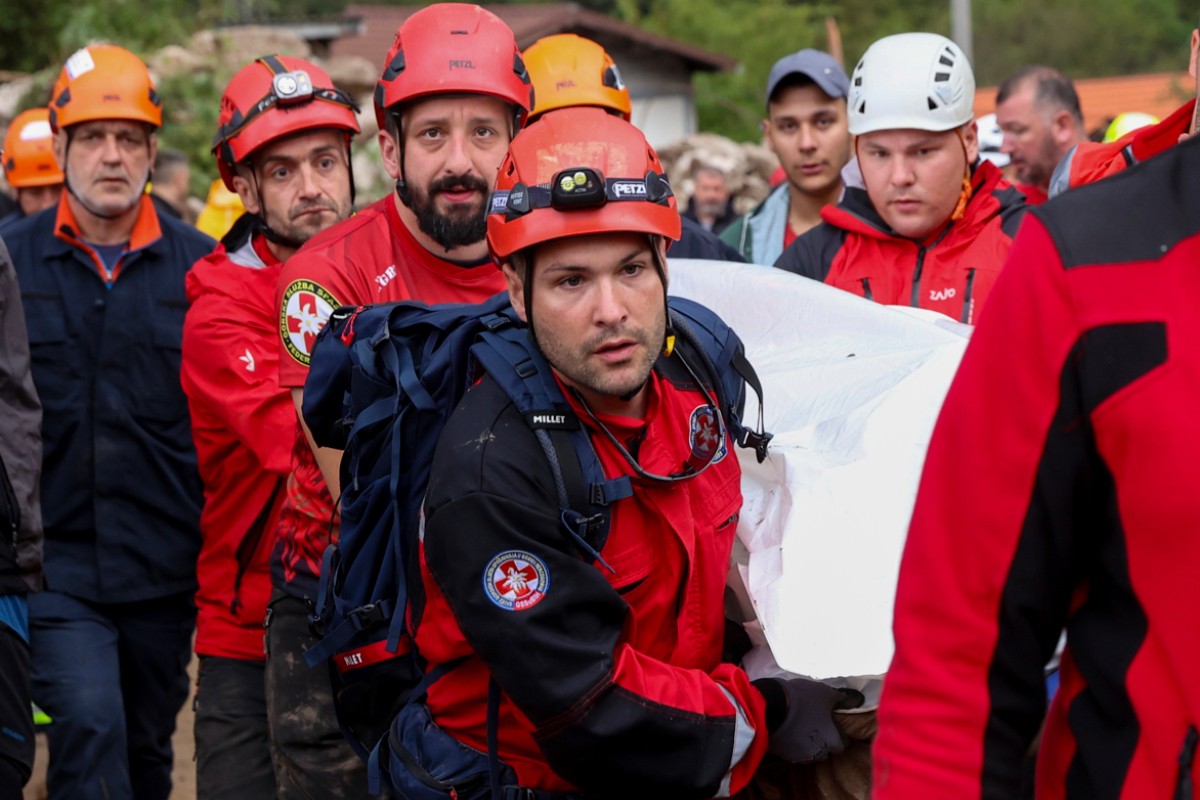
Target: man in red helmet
(283, 144)
(452, 95)
(102, 282)
(569, 678)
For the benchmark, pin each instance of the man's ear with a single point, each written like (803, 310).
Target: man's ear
(249, 196)
(389, 151)
(58, 145)
(970, 136)
(516, 289)
(1062, 127)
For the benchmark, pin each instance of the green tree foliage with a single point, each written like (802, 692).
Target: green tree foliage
(1083, 38)
(755, 32)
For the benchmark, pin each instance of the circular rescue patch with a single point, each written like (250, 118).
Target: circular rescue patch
(305, 309)
(704, 435)
(516, 580)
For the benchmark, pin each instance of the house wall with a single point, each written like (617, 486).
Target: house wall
(660, 87)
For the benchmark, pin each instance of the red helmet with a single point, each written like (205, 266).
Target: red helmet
(274, 97)
(578, 171)
(28, 154)
(453, 48)
(103, 81)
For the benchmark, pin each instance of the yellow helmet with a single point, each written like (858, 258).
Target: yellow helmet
(220, 211)
(569, 70)
(1127, 123)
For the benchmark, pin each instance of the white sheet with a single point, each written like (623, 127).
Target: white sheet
(852, 391)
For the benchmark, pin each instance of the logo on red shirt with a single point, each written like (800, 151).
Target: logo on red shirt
(516, 580)
(305, 309)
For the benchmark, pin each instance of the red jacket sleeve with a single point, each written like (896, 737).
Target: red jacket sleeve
(231, 367)
(965, 694)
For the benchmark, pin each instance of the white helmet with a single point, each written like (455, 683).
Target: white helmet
(919, 81)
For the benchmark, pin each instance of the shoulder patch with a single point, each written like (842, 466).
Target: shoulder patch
(705, 435)
(305, 309)
(516, 580)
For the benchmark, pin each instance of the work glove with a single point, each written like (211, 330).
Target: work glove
(807, 730)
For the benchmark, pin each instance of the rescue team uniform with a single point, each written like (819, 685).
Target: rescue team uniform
(120, 494)
(369, 258)
(243, 425)
(1093, 161)
(952, 270)
(1085, 370)
(581, 650)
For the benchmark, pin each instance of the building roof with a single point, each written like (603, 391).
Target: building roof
(529, 23)
(1102, 99)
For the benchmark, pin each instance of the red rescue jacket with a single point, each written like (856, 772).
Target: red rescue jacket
(243, 425)
(1093, 161)
(611, 673)
(1059, 493)
(951, 271)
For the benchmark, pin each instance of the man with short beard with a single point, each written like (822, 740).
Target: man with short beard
(102, 281)
(283, 144)
(443, 130)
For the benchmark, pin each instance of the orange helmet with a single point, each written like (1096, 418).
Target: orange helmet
(578, 171)
(569, 70)
(103, 81)
(28, 154)
(450, 48)
(274, 97)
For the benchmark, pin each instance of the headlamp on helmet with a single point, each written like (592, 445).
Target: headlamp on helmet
(292, 87)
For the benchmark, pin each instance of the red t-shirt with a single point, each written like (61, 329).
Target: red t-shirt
(370, 258)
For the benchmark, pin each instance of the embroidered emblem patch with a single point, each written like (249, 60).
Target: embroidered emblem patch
(516, 580)
(305, 310)
(704, 435)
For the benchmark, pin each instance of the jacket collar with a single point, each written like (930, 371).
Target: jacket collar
(856, 214)
(146, 233)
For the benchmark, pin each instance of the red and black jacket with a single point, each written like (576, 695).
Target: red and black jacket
(612, 678)
(1093, 161)
(951, 271)
(1059, 492)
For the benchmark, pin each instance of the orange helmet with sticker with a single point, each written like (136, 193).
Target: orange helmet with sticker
(569, 70)
(579, 171)
(104, 81)
(28, 151)
(274, 97)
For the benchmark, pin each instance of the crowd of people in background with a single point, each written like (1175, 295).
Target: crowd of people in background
(163, 496)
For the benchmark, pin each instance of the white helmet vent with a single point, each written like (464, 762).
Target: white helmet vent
(921, 81)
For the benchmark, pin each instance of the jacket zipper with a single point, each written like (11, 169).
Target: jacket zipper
(1183, 784)
(866, 286)
(916, 287)
(966, 311)
(921, 251)
(248, 546)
